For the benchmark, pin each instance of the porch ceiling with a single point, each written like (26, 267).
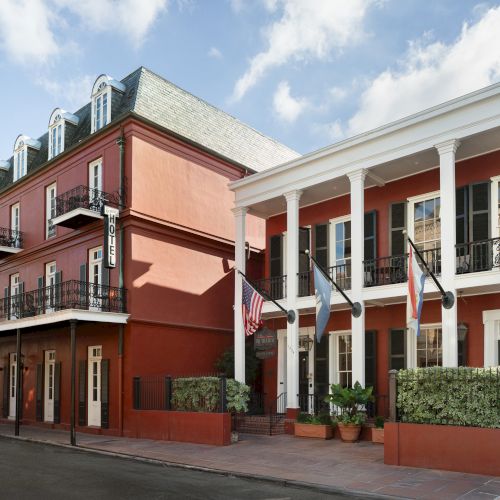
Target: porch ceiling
(471, 146)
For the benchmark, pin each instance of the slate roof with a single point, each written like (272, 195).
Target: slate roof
(150, 96)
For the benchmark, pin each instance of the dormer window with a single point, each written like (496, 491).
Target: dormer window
(23, 147)
(59, 124)
(102, 99)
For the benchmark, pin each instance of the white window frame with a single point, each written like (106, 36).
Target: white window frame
(98, 100)
(15, 217)
(94, 292)
(334, 352)
(50, 281)
(491, 322)
(92, 166)
(412, 201)
(20, 161)
(14, 288)
(411, 343)
(332, 244)
(494, 208)
(50, 210)
(56, 138)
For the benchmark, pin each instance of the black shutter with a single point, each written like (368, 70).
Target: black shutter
(6, 305)
(321, 244)
(371, 359)
(397, 349)
(39, 392)
(105, 393)
(105, 289)
(276, 256)
(304, 265)
(479, 226)
(41, 299)
(5, 406)
(57, 393)
(397, 227)
(83, 286)
(461, 215)
(82, 392)
(58, 291)
(20, 300)
(371, 235)
(21, 382)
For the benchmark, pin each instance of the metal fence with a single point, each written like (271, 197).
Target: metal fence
(11, 238)
(84, 197)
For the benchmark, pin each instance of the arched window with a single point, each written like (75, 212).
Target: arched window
(102, 93)
(21, 146)
(57, 130)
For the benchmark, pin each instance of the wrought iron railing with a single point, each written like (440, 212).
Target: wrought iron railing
(313, 403)
(71, 294)
(478, 256)
(274, 287)
(84, 197)
(341, 274)
(11, 238)
(394, 269)
(256, 403)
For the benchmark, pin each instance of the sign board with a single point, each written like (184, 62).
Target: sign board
(110, 246)
(265, 354)
(265, 339)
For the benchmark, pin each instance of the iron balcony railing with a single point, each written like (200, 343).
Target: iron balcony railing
(341, 274)
(71, 294)
(11, 238)
(83, 197)
(394, 269)
(274, 287)
(478, 256)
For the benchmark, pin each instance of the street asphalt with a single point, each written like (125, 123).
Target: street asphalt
(39, 471)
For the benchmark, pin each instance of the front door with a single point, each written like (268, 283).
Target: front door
(95, 278)
(12, 385)
(50, 362)
(304, 380)
(94, 386)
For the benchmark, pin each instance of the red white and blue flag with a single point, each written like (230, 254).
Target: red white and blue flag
(416, 280)
(252, 302)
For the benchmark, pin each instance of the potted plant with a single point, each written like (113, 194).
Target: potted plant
(315, 426)
(378, 430)
(237, 397)
(350, 401)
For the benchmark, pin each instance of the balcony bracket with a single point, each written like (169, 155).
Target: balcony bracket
(448, 300)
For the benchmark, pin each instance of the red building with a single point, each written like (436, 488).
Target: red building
(153, 298)
(433, 176)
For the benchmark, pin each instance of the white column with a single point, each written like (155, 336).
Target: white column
(292, 269)
(239, 264)
(357, 272)
(447, 188)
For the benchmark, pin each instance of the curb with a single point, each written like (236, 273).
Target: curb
(221, 472)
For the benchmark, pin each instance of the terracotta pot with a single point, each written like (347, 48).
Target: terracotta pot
(378, 435)
(349, 433)
(313, 431)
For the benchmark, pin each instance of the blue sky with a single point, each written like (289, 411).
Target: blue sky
(306, 72)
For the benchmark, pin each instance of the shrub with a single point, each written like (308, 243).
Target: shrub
(321, 419)
(237, 395)
(379, 422)
(350, 400)
(225, 364)
(454, 396)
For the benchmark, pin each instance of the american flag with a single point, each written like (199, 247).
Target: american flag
(252, 308)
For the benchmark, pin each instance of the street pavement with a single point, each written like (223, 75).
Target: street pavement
(41, 471)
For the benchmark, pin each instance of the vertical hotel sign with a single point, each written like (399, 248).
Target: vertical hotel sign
(110, 246)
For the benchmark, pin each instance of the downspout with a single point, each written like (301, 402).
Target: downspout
(121, 144)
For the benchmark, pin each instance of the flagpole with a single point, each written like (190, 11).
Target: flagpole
(290, 315)
(447, 298)
(356, 307)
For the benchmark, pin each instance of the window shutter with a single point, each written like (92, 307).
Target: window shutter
(20, 301)
(321, 244)
(397, 349)
(82, 392)
(304, 265)
(461, 215)
(58, 290)
(5, 404)
(21, 384)
(105, 393)
(397, 227)
(57, 393)
(105, 290)
(39, 392)
(371, 235)
(276, 256)
(371, 359)
(40, 300)
(479, 202)
(83, 286)
(6, 303)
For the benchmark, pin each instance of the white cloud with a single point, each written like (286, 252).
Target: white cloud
(287, 108)
(215, 53)
(433, 72)
(72, 93)
(306, 30)
(333, 132)
(30, 29)
(25, 32)
(338, 94)
(237, 5)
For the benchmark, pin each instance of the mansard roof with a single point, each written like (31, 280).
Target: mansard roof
(151, 97)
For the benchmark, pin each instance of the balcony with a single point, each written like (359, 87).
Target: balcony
(274, 287)
(80, 206)
(394, 269)
(11, 242)
(73, 294)
(478, 256)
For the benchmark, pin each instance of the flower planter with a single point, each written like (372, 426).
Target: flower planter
(314, 431)
(378, 435)
(349, 433)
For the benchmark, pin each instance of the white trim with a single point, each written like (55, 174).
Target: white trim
(66, 315)
(332, 242)
(10, 250)
(410, 213)
(49, 208)
(491, 322)
(75, 213)
(333, 361)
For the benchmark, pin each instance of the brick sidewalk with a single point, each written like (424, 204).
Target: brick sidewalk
(357, 468)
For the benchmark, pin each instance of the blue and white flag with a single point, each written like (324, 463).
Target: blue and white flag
(323, 291)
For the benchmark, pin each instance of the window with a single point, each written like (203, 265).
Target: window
(58, 123)
(95, 175)
(397, 228)
(50, 210)
(343, 359)
(429, 347)
(50, 282)
(397, 349)
(340, 255)
(56, 140)
(102, 92)
(15, 299)
(14, 217)
(20, 162)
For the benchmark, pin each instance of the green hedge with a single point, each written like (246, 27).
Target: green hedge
(202, 394)
(453, 396)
